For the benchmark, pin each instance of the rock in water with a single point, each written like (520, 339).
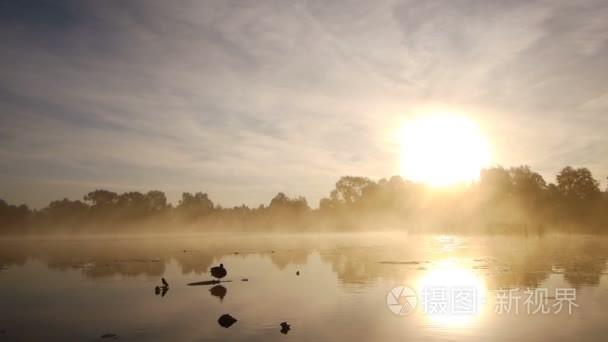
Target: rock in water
(285, 327)
(226, 320)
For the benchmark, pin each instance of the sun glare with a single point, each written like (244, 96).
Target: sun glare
(442, 150)
(457, 281)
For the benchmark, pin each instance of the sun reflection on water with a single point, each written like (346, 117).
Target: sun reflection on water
(451, 294)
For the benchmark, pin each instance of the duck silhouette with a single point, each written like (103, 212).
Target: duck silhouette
(162, 290)
(285, 327)
(219, 272)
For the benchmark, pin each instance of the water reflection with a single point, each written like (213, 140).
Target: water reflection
(340, 294)
(162, 290)
(452, 294)
(218, 291)
(509, 260)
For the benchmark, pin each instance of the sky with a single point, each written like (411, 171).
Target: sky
(243, 99)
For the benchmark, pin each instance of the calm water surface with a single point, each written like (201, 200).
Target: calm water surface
(80, 289)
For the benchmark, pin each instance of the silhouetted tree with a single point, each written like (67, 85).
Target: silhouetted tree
(526, 182)
(504, 199)
(577, 183)
(157, 200)
(13, 218)
(65, 212)
(495, 184)
(527, 187)
(279, 201)
(350, 189)
(101, 198)
(326, 205)
(195, 205)
(133, 205)
(283, 203)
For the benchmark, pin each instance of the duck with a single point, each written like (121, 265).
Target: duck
(285, 327)
(163, 288)
(219, 272)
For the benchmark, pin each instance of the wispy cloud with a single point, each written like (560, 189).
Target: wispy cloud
(243, 99)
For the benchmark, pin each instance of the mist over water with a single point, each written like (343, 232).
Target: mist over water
(81, 288)
(514, 200)
(303, 170)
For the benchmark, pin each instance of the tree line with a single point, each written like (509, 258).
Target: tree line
(503, 200)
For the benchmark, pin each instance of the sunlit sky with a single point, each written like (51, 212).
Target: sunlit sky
(243, 99)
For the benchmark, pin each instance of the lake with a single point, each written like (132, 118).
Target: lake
(350, 287)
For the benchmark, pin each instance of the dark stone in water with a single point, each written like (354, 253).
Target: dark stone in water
(113, 336)
(226, 320)
(244, 279)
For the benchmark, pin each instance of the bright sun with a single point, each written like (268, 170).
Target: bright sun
(442, 150)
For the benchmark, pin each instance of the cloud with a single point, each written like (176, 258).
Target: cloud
(244, 99)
